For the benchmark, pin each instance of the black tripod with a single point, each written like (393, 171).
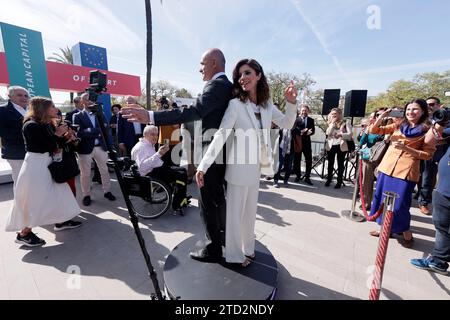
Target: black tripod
(98, 111)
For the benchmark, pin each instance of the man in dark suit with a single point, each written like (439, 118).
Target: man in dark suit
(11, 120)
(91, 146)
(304, 128)
(210, 108)
(78, 108)
(128, 133)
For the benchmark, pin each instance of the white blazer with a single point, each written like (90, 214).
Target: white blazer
(250, 152)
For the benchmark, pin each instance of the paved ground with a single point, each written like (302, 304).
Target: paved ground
(320, 254)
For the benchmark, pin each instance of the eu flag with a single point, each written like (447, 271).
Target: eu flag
(90, 56)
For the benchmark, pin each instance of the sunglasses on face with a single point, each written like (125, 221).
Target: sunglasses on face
(432, 104)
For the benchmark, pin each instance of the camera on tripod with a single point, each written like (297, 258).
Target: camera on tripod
(97, 86)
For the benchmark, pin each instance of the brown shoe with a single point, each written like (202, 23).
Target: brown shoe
(425, 210)
(375, 233)
(407, 243)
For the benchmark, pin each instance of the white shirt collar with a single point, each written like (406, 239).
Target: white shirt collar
(218, 75)
(19, 109)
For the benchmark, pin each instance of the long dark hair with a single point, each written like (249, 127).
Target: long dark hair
(423, 105)
(262, 88)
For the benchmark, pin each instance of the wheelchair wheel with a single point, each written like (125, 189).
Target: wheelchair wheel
(155, 204)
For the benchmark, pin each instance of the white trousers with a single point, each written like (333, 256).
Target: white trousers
(85, 160)
(242, 202)
(15, 167)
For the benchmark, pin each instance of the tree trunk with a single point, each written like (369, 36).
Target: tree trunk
(148, 13)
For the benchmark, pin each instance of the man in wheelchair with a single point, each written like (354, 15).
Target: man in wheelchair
(149, 163)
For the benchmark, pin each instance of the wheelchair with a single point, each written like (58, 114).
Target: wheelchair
(149, 197)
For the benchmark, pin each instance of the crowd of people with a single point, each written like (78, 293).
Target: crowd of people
(228, 175)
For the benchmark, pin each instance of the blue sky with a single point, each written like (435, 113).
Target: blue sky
(328, 39)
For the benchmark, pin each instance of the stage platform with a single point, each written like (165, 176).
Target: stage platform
(188, 279)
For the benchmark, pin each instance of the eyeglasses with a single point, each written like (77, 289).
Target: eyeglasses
(432, 104)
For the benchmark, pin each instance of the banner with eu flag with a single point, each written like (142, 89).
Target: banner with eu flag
(25, 59)
(88, 55)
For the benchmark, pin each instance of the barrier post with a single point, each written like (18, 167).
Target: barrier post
(389, 204)
(352, 214)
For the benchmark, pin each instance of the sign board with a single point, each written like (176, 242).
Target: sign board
(25, 59)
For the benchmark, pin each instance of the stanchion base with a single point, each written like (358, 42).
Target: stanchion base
(188, 279)
(353, 216)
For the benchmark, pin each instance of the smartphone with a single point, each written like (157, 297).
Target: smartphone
(166, 142)
(397, 114)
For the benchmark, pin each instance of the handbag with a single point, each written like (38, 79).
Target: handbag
(377, 151)
(298, 146)
(66, 169)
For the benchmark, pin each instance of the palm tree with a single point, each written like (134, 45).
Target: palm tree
(148, 13)
(65, 57)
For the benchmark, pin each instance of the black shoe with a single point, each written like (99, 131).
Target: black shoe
(30, 240)
(109, 196)
(327, 184)
(338, 185)
(308, 181)
(204, 256)
(67, 225)
(87, 201)
(297, 179)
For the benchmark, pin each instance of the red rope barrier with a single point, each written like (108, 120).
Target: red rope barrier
(363, 202)
(381, 256)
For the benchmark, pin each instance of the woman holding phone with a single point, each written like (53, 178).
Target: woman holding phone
(400, 168)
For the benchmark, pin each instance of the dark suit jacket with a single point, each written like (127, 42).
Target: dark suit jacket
(69, 115)
(87, 142)
(11, 122)
(126, 134)
(300, 125)
(210, 106)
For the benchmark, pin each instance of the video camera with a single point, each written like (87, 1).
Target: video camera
(441, 116)
(74, 127)
(164, 103)
(97, 86)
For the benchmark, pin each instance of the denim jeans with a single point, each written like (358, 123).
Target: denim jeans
(441, 220)
(428, 181)
(286, 163)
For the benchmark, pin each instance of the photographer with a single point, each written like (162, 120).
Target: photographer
(400, 168)
(169, 133)
(91, 146)
(430, 167)
(39, 200)
(338, 133)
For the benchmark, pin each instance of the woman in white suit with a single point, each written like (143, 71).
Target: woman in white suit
(249, 117)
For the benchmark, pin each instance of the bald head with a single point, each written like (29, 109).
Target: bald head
(213, 61)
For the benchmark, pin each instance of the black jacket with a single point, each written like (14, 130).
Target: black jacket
(11, 121)
(300, 125)
(87, 137)
(210, 106)
(69, 115)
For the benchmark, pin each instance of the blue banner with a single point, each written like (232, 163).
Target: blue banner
(25, 59)
(87, 55)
